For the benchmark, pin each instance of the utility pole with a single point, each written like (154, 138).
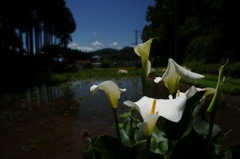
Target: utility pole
(136, 43)
(136, 37)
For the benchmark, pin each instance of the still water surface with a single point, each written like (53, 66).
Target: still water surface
(67, 98)
(22, 114)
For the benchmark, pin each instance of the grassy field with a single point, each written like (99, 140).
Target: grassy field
(231, 85)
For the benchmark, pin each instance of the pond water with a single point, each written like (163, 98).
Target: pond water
(53, 116)
(47, 121)
(67, 98)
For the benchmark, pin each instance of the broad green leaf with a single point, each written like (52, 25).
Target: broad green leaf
(106, 147)
(160, 144)
(125, 138)
(200, 124)
(127, 126)
(235, 151)
(220, 153)
(138, 133)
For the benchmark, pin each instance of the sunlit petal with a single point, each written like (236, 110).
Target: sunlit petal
(171, 109)
(143, 106)
(112, 91)
(149, 124)
(173, 74)
(183, 72)
(143, 49)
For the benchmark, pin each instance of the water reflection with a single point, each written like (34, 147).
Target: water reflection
(97, 104)
(67, 98)
(13, 105)
(43, 95)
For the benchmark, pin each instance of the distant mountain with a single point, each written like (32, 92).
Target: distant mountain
(119, 56)
(105, 51)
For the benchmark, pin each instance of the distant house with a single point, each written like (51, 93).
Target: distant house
(80, 64)
(96, 61)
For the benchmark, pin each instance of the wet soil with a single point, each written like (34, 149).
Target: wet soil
(43, 134)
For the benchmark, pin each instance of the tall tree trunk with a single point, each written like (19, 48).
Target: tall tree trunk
(176, 56)
(27, 42)
(37, 39)
(31, 40)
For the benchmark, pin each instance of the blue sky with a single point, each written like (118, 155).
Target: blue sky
(107, 23)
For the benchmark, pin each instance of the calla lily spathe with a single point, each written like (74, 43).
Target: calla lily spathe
(112, 91)
(143, 50)
(149, 124)
(173, 74)
(170, 109)
(150, 109)
(217, 98)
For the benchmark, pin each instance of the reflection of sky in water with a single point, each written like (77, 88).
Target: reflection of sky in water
(69, 94)
(97, 104)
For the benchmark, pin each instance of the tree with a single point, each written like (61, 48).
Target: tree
(197, 29)
(36, 23)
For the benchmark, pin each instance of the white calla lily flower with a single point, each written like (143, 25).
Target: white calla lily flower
(173, 74)
(150, 109)
(143, 50)
(112, 91)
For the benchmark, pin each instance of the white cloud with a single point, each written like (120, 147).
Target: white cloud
(86, 49)
(76, 46)
(97, 44)
(94, 33)
(113, 44)
(73, 45)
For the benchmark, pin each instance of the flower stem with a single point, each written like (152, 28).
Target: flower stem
(143, 85)
(116, 124)
(210, 129)
(147, 152)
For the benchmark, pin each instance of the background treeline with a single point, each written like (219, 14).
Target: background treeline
(200, 30)
(27, 26)
(34, 33)
(203, 30)
(28, 31)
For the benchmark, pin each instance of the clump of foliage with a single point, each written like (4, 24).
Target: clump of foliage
(174, 125)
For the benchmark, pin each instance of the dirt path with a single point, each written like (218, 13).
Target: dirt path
(48, 136)
(45, 135)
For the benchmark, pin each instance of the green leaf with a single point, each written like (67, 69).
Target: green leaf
(125, 138)
(160, 144)
(200, 124)
(138, 149)
(236, 151)
(138, 133)
(222, 154)
(127, 126)
(106, 147)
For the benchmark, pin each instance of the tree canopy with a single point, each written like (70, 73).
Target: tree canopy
(198, 29)
(29, 25)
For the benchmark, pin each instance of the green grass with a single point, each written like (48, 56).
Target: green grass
(97, 73)
(230, 86)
